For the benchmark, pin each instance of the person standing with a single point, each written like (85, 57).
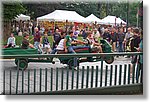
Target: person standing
(106, 35)
(120, 40)
(140, 60)
(37, 40)
(135, 41)
(96, 35)
(46, 44)
(56, 38)
(113, 37)
(76, 33)
(128, 35)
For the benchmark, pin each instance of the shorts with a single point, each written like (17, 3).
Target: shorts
(46, 46)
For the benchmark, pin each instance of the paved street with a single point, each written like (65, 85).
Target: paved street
(9, 64)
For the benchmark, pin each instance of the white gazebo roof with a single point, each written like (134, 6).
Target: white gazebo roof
(111, 20)
(62, 15)
(92, 18)
(22, 17)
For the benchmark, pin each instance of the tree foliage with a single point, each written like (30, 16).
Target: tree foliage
(11, 10)
(100, 9)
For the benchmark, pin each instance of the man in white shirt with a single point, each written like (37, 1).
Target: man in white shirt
(60, 45)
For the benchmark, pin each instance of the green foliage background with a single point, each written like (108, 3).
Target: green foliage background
(100, 9)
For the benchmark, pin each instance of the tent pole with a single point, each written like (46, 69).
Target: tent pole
(54, 25)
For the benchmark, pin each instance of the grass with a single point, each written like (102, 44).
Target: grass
(19, 40)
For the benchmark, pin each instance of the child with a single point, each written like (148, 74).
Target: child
(11, 41)
(46, 44)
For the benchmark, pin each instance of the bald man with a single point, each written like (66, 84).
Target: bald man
(37, 40)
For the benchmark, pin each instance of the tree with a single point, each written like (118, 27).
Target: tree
(10, 11)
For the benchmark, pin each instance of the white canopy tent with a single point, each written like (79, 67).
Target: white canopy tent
(62, 15)
(111, 20)
(92, 18)
(22, 17)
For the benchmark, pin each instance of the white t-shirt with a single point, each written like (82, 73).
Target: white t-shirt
(11, 40)
(60, 45)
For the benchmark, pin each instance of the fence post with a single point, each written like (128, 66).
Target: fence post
(34, 80)
(46, 79)
(133, 72)
(120, 73)
(111, 71)
(115, 75)
(17, 80)
(129, 69)
(4, 82)
(22, 81)
(87, 77)
(62, 77)
(51, 79)
(10, 82)
(141, 81)
(28, 81)
(82, 83)
(40, 80)
(96, 80)
(67, 79)
(92, 76)
(72, 78)
(101, 74)
(125, 68)
(106, 75)
(56, 79)
(77, 84)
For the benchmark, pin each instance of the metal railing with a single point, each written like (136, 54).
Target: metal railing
(52, 80)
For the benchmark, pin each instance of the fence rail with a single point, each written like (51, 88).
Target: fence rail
(69, 55)
(53, 80)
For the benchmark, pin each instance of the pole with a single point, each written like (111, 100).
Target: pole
(137, 17)
(107, 8)
(115, 21)
(127, 14)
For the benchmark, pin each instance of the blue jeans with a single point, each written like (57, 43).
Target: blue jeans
(120, 47)
(54, 51)
(37, 46)
(71, 50)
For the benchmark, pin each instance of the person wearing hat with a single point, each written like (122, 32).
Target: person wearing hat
(25, 42)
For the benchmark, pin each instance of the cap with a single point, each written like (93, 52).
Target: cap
(25, 34)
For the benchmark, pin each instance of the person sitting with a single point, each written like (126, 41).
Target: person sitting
(46, 44)
(68, 42)
(60, 46)
(11, 41)
(25, 42)
(94, 45)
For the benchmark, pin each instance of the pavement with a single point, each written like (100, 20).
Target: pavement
(8, 64)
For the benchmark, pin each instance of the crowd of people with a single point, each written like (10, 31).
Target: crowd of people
(66, 40)
(120, 40)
